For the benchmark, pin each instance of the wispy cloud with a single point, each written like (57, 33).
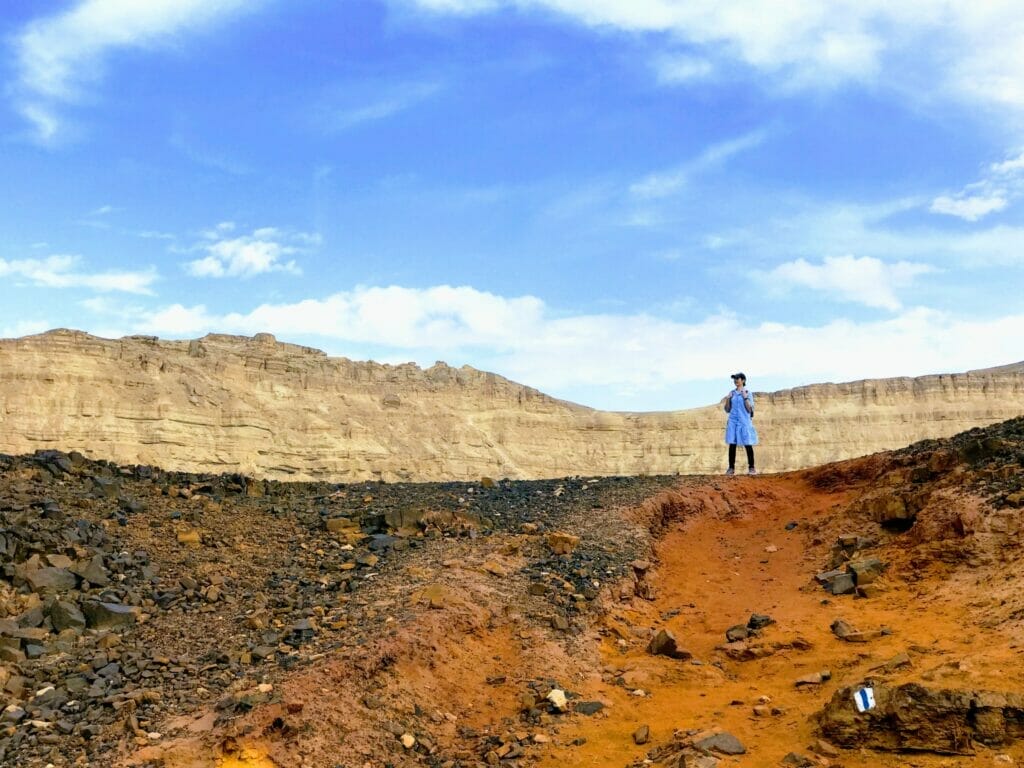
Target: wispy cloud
(263, 250)
(674, 69)
(60, 56)
(667, 183)
(338, 113)
(968, 207)
(801, 228)
(969, 50)
(24, 328)
(999, 186)
(206, 157)
(865, 280)
(60, 271)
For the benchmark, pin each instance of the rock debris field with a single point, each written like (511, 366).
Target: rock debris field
(152, 618)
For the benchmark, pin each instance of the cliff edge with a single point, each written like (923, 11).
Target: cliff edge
(262, 407)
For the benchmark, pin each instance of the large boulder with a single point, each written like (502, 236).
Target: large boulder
(911, 717)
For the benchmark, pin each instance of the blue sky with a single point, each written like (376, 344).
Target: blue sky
(619, 202)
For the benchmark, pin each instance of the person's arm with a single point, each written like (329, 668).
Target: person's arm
(727, 403)
(748, 401)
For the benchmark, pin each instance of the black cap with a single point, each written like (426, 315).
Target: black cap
(740, 375)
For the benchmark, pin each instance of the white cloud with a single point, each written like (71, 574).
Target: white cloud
(59, 272)
(968, 208)
(442, 317)
(1012, 165)
(1003, 183)
(864, 280)
(974, 50)
(60, 55)
(668, 183)
(264, 250)
(605, 353)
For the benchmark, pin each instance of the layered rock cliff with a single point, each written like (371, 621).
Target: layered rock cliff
(261, 407)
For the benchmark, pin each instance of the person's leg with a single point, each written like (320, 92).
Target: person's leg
(750, 459)
(732, 455)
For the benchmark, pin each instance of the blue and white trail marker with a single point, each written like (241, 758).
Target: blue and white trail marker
(865, 699)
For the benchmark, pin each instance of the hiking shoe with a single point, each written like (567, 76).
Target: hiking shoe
(751, 471)
(730, 471)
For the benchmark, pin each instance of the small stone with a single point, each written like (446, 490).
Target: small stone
(896, 662)
(495, 568)
(50, 580)
(557, 699)
(823, 748)
(737, 633)
(848, 633)
(797, 760)
(341, 525)
(588, 707)
(108, 615)
(664, 644)
(191, 537)
(759, 621)
(865, 571)
(92, 570)
(722, 742)
(815, 678)
(562, 543)
(65, 615)
(642, 735)
(408, 740)
(60, 561)
(367, 560)
(843, 584)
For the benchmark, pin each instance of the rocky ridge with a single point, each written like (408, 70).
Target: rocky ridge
(275, 410)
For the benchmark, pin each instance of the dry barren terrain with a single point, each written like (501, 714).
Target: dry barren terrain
(150, 618)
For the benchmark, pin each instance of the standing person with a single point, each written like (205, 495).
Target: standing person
(739, 429)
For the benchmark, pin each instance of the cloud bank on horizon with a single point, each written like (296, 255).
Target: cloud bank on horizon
(618, 202)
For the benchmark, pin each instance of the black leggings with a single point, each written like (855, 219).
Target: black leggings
(732, 455)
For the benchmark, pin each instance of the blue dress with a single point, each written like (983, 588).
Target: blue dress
(739, 429)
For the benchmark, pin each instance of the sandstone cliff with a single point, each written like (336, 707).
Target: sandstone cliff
(261, 407)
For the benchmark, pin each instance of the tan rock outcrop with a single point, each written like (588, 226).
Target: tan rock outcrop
(261, 407)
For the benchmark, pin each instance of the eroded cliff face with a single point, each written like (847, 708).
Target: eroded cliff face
(261, 407)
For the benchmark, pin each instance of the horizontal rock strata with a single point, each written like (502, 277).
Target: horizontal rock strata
(275, 410)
